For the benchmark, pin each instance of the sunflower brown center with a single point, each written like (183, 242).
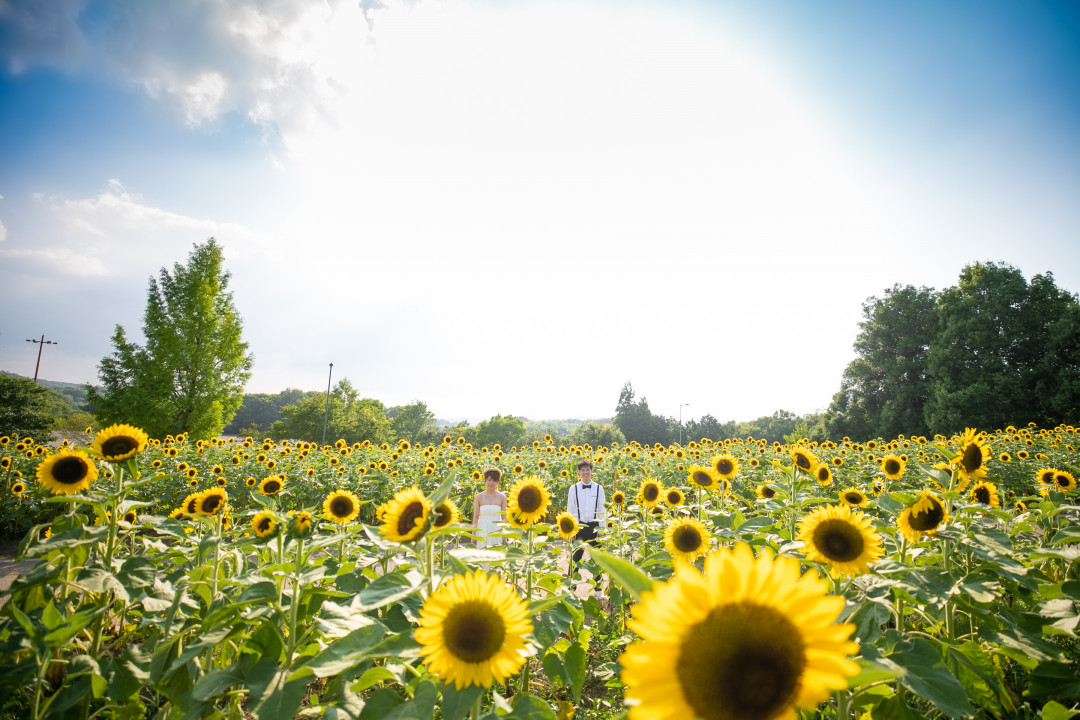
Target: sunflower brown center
(768, 492)
(409, 515)
(442, 515)
(742, 661)
(529, 499)
(853, 498)
(674, 497)
(929, 519)
(650, 492)
(566, 525)
(823, 474)
(724, 466)
(686, 539)
(265, 525)
(1062, 480)
(982, 494)
(1047, 477)
(341, 506)
(118, 446)
(972, 459)
(892, 467)
(70, 470)
(211, 503)
(838, 540)
(702, 478)
(802, 461)
(271, 487)
(473, 631)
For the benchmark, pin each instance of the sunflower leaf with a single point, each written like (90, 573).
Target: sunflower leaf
(627, 575)
(443, 491)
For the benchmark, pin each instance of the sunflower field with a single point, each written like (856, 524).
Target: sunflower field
(904, 577)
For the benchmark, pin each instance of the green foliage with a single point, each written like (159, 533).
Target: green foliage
(26, 409)
(190, 375)
(506, 431)
(637, 423)
(350, 418)
(258, 412)
(597, 434)
(409, 422)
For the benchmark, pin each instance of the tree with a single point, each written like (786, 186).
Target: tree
(26, 409)
(189, 378)
(637, 423)
(349, 418)
(1006, 352)
(410, 421)
(506, 431)
(258, 412)
(884, 391)
(597, 434)
(708, 427)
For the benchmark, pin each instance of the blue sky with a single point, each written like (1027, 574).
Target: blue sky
(517, 207)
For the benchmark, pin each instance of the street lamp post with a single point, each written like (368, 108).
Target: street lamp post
(680, 421)
(41, 346)
(326, 415)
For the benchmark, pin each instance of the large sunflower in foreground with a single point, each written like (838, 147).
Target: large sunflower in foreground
(272, 484)
(841, 537)
(970, 461)
(211, 502)
(119, 442)
(725, 465)
(804, 460)
(472, 631)
(924, 517)
(748, 638)
(341, 507)
(406, 515)
(567, 525)
(985, 493)
(893, 467)
(687, 539)
(529, 499)
(1064, 481)
(263, 525)
(67, 472)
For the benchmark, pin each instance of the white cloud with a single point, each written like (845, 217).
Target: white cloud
(3, 231)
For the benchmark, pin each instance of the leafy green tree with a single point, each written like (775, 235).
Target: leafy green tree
(410, 421)
(258, 412)
(708, 427)
(506, 431)
(1006, 352)
(460, 430)
(349, 418)
(190, 375)
(26, 409)
(884, 391)
(636, 421)
(596, 434)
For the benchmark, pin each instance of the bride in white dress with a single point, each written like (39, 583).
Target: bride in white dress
(489, 509)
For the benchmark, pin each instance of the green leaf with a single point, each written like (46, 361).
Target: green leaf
(975, 670)
(387, 589)
(215, 682)
(926, 675)
(456, 703)
(273, 696)
(370, 677)
(345, 652)
(529, 707)
(443, 491)
(1056, 711)
(627, 575)
(871, 672)
(1053, 680)
(574, 667)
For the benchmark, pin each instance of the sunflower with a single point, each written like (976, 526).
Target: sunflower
(1023, 454)
(446, 513)
(129, 517)
(725, 466)
(406, 515)
(516, 520)
(67, 472)
(893, 467)
(673, 497)
(18, 488)
(764, 492)
(263, 525)
(748, 638)
(650, 492)
(618, 498)
(1064, 481)
(703, 477)
(823, 475)
(804, 460)
(472, 631)
(841, 537)
(924, 517)
(985, 493)
(970, 461)
(1005, 457)
(854, 498)
(119, 442)
(529, 498)
(300, 523)
(341, 507)
(271, 485)
(209, 502)
(567, 525)
(686, 539)
(221, 481)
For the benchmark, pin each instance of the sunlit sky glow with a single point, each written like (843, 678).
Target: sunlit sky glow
(515, 207)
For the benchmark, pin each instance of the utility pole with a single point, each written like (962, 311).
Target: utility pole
(680, 421)
(41, 346)
(326, 415)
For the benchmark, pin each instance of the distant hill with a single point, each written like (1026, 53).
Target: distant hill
(73, 393)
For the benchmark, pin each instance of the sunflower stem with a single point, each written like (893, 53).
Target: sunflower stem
(476, 707)
(429, 562)
(842, 698)
(294, 607)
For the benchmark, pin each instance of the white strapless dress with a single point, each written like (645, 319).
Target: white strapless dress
(490, 516)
